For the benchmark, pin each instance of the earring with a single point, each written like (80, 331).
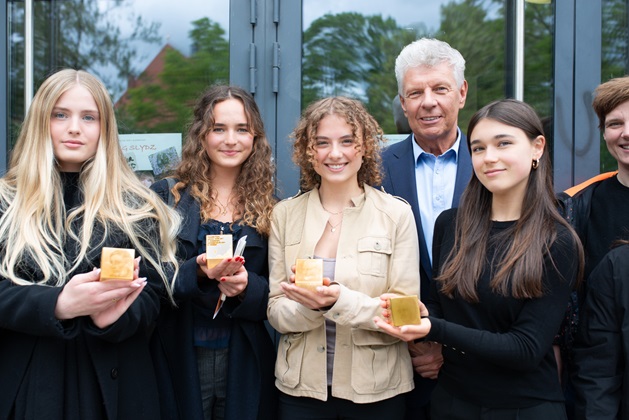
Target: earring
(535, 163)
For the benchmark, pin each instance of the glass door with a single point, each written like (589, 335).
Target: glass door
(155, 58)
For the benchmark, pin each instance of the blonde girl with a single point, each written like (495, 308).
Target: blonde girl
(73, 346)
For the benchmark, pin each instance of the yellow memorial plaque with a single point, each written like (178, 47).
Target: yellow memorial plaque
(309, 273)
(405, 310)
(116, 264)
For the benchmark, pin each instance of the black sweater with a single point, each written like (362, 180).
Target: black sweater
(498, 352)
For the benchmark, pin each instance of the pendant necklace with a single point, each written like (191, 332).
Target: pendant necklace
(222, 208)
(333, 227)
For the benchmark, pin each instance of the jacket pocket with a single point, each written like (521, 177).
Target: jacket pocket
(289, 359)
(373, 255)
(375, 361)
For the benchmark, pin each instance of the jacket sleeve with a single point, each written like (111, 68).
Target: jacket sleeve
(598, 349)
(31, 310)
(285, 315)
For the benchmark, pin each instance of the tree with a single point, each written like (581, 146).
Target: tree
(164, 102)
(354, 55)
(79, 34)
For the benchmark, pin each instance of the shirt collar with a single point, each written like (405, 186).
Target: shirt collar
(418, 151)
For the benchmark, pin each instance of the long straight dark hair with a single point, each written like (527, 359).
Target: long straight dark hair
(517, 269)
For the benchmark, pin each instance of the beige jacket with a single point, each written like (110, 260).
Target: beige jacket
(377, 253)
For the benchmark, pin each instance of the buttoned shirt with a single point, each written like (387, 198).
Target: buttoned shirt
(435, 177)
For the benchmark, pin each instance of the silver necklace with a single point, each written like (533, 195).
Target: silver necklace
(331, 212)
(333, 227)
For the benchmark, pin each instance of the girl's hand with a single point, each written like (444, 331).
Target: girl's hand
(227, 267)
(234, 284)
(405, 332)
(86, 295)
(118, 306)
(323, 297)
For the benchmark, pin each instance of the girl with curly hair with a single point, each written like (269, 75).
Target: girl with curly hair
(218, 365)
(332, 360)
(74, 346)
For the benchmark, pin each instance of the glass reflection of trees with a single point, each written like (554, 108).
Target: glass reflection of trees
(77, 34)
(354, 55)
(163, 102)
(343, 54)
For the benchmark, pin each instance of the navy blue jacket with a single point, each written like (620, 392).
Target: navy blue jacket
(399, 179)
(251, 393)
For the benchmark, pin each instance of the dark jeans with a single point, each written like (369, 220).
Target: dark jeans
(212, 366)
(445, 406)
(304, 408)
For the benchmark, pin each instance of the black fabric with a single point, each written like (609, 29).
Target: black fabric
(251, 393)
(73, 369)
(498, 352)
(304, 408)
(447, 406)
(608, 221)
(601, 349)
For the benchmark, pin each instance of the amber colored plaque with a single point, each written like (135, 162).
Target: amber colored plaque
(116, 264)
(405, 310)
(217, 248)
(309, 273)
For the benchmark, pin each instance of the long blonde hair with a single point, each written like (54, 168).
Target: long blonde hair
(33, 222)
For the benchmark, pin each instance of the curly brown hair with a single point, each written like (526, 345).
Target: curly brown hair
(364, 128)
(254, 190)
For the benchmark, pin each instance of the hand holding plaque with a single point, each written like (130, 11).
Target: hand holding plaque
(116, 264)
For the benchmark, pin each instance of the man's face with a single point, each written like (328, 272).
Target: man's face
(431, 102)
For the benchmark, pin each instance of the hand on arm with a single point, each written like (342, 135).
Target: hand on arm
(426, 358)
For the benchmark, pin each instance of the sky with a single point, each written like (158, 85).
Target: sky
(175, 16)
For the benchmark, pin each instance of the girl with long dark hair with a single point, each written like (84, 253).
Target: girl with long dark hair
(505, 263)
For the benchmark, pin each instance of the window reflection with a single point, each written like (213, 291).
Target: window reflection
(352, 50)
(154, 57)
(615, 57)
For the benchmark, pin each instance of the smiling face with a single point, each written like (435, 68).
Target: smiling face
(74, 128)
(338, 153)
(502, 158)
(431, 102)
(230, 141)
(616, 135)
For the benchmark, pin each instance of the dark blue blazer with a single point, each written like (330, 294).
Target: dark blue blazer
(251, 393)
(399, 179)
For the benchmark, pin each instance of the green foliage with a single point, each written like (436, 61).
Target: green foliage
(77, 34)
(467, 27)
(354, 55)
(164, 104)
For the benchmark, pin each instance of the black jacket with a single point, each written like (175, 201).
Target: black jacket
(72, 369)
(601, 350)
(251, 392)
